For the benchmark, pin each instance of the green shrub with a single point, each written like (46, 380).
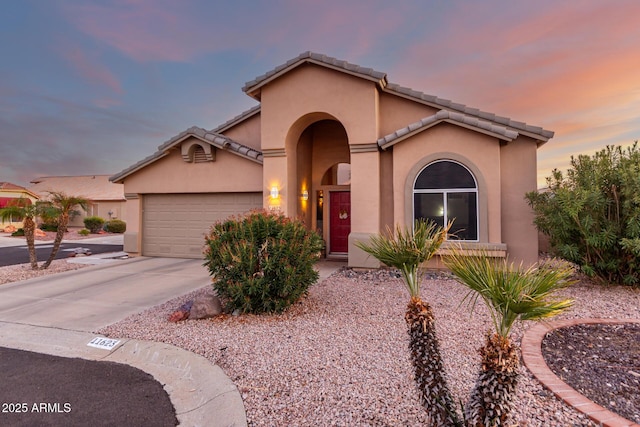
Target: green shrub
(115, 226)
(18, 232)
(592, 215)
(49, 227)
(94, 224)
(262, 262)
(84, 232)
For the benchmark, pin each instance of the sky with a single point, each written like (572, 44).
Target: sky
(92, 87)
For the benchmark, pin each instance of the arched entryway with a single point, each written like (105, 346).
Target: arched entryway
(323, 183)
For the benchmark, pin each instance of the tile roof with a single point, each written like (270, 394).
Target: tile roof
(434, 101)
(464, 120)
(252, 88)
(216, 139)
(92, 187)
(9, 186)
(237, 119)
(380, 78)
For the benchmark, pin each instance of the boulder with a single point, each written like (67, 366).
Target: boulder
(10, 229)
(178, 315)
(39, 233)
(205, 306)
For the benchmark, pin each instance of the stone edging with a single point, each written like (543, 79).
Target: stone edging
(533, 360)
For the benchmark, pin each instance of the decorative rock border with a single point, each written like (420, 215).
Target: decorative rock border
(534, 361)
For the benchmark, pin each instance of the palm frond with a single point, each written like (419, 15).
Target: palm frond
(406, 249)
(510, 292)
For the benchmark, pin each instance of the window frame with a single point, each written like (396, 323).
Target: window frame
(444, 192)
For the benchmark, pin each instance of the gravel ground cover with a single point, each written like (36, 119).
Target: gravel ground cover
(15, 273)
(339, 357)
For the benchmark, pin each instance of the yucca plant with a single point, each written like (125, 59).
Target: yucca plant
(407, 250)
(511, 293)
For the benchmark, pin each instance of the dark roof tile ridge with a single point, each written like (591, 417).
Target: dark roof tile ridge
(462, 108)
(320, 58)
(240, 117)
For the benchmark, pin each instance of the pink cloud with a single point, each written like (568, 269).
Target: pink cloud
(91, 70)
(151, 30)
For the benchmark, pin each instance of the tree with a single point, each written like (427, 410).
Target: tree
(23, 208)
(592, 214)
(511, 294)
(406, 251)
(65, 207)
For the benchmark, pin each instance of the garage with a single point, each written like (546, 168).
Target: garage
(174, 225)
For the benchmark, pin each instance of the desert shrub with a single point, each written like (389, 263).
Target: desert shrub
(115, 226)
(94, 223)
(592, 215)
(18, 232)
(84, 232)
(49, 227)
(262, 262)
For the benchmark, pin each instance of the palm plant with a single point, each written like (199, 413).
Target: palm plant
(23, 208)
(511, 294)
(406, 250)
(65, 207)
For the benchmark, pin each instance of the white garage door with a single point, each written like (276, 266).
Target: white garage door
(174, 225)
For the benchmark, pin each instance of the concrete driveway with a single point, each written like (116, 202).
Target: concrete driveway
(94, 297)
(56, 315)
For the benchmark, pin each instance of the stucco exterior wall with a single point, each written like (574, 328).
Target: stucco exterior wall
(479, 153)
(397, 112)
(246, 132)
(15, 194)
(172, 174)
(519, 166)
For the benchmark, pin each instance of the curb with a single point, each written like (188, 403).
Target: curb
(200, 391)
(532, 357)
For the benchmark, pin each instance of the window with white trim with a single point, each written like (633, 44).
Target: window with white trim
(446, 190)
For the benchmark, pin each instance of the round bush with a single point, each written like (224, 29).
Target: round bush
(84, 232)
(262, 262)
(94, 224)
(115, 226)
(18, 232)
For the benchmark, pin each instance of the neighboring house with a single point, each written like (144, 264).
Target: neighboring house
(9, 193)
(339, 146)
(106, 199)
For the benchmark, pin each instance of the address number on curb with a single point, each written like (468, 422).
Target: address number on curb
(103, 343)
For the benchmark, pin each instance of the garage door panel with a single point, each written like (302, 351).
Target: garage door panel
(174, 225)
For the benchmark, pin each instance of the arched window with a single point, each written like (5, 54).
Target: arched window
(445, 190)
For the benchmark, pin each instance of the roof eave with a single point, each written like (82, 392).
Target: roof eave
(502, 137)
(253, 88)
(432, 101)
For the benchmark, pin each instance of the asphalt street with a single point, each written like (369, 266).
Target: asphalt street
(20, 255)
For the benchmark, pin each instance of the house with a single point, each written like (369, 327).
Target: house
(106, 199)
(9, 194)
(350, 153)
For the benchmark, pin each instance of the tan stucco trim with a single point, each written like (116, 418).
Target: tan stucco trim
(483, 190)
(131, 196)
(363, 148)
(274, 152)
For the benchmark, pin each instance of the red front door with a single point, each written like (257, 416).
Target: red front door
(339, 221)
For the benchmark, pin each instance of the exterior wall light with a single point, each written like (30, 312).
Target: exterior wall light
(274, 192)
(305, 195)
